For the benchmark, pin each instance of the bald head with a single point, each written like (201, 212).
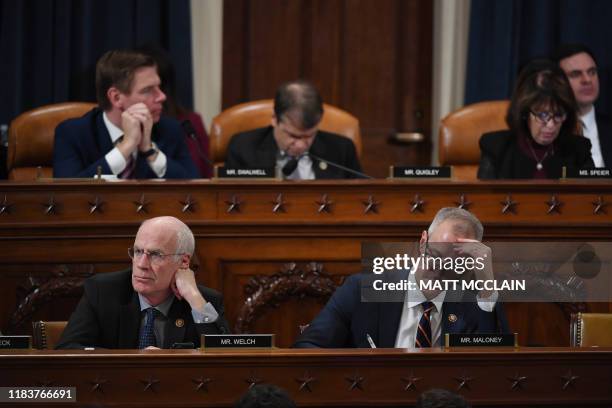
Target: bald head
(184, 240)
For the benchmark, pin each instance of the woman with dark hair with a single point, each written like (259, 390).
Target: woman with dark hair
(542, 138)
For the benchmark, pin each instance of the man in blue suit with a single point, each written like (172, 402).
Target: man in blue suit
(347, 321)
(126, 135)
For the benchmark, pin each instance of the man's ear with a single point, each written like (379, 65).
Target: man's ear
(273, 121)
(115, 97)
(423, 241)
(185, 261)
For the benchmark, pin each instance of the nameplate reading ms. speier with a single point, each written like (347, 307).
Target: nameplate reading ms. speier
(15, 342)
(237, 341)
(597, 173)
(227, 172)
(481, 340)
(422, 172)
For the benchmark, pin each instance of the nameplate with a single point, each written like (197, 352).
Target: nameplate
(233, 173)
(598, 173)
(15, 342)
(237, 341)
(480, 340)
(421, 172)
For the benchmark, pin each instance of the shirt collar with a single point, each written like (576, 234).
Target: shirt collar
(114, 132)
(416, 297)
(163, 307)
(588, 119)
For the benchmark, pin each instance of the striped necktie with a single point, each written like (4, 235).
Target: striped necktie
(147, 332)
(130, 166)
(423, 337)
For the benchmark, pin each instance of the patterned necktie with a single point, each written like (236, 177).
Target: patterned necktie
(147, 332)
(128, 171)
(423, 337)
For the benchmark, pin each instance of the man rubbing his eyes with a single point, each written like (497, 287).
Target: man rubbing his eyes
(155, 304)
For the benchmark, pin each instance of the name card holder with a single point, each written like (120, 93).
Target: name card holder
(480, 340)
(419, 172)
(237, 341)
(15, 342)
(264, 173)
(596, 173)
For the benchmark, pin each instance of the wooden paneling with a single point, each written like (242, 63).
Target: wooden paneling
(372, 59)
(54, 251)
(559, 377)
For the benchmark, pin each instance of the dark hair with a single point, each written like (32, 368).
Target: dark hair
(265, 396)
(540, 87)
(116, 68)
(569, 49)
(167, 76)
(438, 398)
(301, 97)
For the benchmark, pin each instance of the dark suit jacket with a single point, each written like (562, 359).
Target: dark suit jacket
(502, 158)
(81, 144)
(257, 148)
(108, 316)
(346, 320)
(604, 131)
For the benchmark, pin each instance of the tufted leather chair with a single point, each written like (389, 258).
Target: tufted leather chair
(256, 114)
(46, 335)
(591, 329)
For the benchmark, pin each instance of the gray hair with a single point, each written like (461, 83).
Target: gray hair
(459, 214)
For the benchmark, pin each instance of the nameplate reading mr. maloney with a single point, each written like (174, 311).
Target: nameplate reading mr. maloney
(480, 340)
(237, 340)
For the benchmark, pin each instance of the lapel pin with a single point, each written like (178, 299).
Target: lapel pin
(179, 323)
(323, 165)
(452, 318)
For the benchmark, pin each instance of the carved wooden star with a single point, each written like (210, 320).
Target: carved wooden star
(464, 382)
(324, 204)
(600, 206)
(188, 204)
(5, 206)
(202, 383)
(279, 204)
(463, 202)
(253, 381)
(98, 384)
(305, 381)
(233, 205)
(50, 206)
(356, 382)
(517, 381)
(96, 205)
(554, 205)
(508, 205)
(149, 384)
(569, 379)
(371, 205)
(411, 382)
(141, 205)
(416, 204)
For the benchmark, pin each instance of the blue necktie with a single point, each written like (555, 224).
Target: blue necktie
(423, 337)
(147, 332)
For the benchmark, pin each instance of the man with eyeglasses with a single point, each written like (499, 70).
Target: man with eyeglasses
(421, 317)
(155, 304)
(294, 142)
(579, 64)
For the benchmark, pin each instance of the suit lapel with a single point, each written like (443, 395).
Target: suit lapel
(267, 150)
(176, 325)
(604, 133)
(129, 323)
(389, 314)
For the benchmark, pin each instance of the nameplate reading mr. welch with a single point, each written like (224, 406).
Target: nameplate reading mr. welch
(234, 173)
(480, 340)
(237, 341)
(421, 172)
(15, 342)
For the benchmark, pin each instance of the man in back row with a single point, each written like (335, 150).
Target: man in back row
(125, 135)
(154, 304)
(294, 142)
(578, 63)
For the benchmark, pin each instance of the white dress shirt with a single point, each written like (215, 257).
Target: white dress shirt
(589, 128)
(303, 171)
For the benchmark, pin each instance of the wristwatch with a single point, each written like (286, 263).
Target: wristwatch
(148, 153)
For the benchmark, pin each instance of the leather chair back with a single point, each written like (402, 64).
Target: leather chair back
(31, 136)
(460, 132)
(256, 114)
(591, 329)
(46, 335)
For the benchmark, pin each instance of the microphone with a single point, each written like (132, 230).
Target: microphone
(290, 166)
(190, 131)
(339, 166)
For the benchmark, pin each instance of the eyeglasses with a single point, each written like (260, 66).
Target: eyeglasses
(544, 117)
(155, 257)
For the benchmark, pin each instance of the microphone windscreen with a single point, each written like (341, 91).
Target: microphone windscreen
(290, 166)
